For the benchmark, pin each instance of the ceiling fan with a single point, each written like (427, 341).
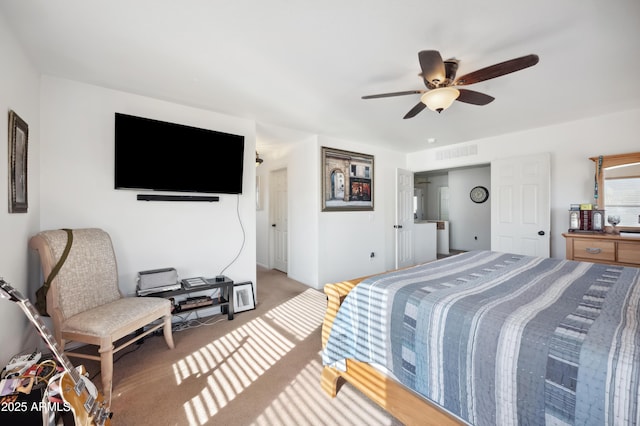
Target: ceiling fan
(440, 78)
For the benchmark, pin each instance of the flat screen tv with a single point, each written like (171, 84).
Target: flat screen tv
(160, 156)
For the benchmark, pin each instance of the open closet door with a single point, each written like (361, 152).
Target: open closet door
(404, 219)
(520, 205)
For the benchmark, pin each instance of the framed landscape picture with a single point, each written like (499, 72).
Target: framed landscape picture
(347, 180)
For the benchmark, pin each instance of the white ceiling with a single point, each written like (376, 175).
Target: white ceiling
(304, 65)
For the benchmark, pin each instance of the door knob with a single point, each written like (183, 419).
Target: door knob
(541, 233)
(273, 225)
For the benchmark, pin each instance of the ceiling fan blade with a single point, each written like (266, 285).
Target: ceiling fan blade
(415, 110)
(473, 97)
(432, 66)
(497, 70)
(388, 95)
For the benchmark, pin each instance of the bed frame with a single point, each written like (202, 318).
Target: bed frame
(396, 399)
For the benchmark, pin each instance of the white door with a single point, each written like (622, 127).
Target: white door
(404, 219)
(520, 205)
(279, 220)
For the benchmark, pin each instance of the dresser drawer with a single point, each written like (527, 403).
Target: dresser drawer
(629, 253)
(589, 249)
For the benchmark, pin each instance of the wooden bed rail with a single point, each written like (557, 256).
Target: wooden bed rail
(335, 295)
(397, 400)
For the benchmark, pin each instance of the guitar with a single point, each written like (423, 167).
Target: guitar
(87, 405)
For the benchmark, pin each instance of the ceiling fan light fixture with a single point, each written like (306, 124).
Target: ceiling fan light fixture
(440, 99)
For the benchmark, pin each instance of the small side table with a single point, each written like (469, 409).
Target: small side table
(224, 301)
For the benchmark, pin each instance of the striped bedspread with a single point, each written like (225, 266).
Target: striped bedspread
(503, 339)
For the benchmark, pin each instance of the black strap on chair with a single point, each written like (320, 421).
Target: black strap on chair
(41, 293)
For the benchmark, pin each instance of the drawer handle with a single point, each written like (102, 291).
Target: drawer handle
(592, 250)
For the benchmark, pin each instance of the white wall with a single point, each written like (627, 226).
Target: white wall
(262, 217)
(299, 156)
(469, 222)
(19, 91)
(303, 176)
(432, 199)
(348, 238)
(197, 238)
(570, 144)
(330, 246)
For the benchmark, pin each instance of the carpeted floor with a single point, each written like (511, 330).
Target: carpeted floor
(262, 368)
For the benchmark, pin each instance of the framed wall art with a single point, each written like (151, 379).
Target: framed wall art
(243, 298)
(347, 180)
(18, 144)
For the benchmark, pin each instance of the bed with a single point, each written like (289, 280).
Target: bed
(489, 338)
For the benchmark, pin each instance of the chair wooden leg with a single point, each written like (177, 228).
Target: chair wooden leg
(168, 334)
(106, 367)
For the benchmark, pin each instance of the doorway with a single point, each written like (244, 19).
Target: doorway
(278, 217)
(462, 224)
(499, 222)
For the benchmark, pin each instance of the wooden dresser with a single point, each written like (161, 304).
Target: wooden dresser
(603, 248)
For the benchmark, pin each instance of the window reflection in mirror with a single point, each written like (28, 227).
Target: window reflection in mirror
(622, 186)
(618, 179)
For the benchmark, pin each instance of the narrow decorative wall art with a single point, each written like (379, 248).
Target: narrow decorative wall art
(18, 143)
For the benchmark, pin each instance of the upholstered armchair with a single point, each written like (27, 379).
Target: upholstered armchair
(85, 302)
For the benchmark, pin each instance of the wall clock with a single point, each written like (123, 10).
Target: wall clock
(479, 194)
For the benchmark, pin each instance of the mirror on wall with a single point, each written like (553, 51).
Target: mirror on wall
(431, 196)
(618, 179)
